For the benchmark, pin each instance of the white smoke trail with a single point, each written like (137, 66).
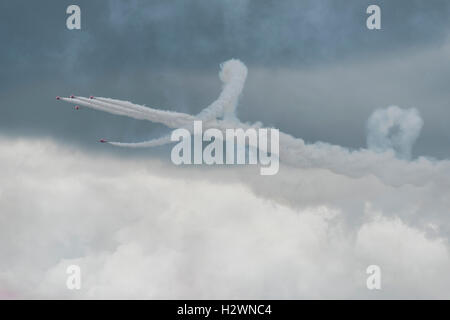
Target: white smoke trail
(124, 104)
(117, 111)
(394, 129)
(169, 118)
(134, 113)
(386, 157)
(352, 163)
(233, 75)
(358, 163)
(145, 144)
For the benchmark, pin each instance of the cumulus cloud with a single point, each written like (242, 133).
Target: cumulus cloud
(142, 228)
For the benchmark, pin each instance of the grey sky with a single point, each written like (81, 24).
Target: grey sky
(315, 70)
(165, 231)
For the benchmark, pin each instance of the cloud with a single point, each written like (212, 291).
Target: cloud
(394, 129)
(142, 228)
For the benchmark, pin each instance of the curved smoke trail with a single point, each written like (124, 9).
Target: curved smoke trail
(233, 74)
(394, 129)
(391, 134)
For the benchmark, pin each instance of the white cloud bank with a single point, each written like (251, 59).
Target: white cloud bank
(145, 229)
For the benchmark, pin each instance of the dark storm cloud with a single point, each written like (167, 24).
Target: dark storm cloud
(166, 54)
(195, 33)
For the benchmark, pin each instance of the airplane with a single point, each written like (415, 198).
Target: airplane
(232, 74)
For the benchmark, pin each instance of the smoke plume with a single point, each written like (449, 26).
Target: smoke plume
(394, 129)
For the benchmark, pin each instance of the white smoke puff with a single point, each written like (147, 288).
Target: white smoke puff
(394, 129)
(233, 72)
(232, 68)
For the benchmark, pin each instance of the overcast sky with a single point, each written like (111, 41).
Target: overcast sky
(317, 71)
(314, 71)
